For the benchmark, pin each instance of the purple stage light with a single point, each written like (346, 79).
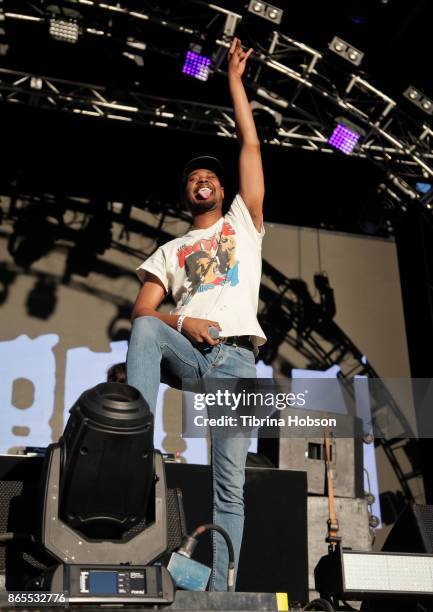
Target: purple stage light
(196, 65)
(344, 139)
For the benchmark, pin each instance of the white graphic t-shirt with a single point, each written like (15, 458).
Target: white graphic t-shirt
(215, 273)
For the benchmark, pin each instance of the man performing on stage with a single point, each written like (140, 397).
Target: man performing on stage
(214, 273)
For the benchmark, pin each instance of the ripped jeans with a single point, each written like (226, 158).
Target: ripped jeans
(157, 353)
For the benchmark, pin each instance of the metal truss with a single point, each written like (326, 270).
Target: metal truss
(96, 101)
(305, 90)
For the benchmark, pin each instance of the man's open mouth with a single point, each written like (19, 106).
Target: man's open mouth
(203, 193)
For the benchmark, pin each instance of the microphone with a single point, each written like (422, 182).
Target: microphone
(213, 332)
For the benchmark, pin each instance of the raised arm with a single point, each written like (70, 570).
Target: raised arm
(251, 181)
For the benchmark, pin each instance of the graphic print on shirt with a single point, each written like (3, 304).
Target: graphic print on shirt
(209, 262)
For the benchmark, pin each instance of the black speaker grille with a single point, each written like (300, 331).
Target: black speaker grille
(176, 528)
(424, 514)
(413, 531)
(8, 490)
(176, 523)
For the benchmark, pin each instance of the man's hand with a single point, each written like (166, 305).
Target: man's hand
(196, 330)
(237, 58)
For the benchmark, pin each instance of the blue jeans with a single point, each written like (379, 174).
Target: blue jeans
(159, 353)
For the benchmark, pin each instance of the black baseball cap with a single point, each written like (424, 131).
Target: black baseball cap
(203, 161)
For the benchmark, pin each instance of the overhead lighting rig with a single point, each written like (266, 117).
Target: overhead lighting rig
(300, 82)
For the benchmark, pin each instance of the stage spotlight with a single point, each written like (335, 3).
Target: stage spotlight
(274, 14)
(63, 23)
(196, 65)
(36, 83)
(412, 94)
(265, 10)
(256, 7)
(107, 475)
(345, 50)
(426, 105)
(103, 514)
(419, 99)
(64, 30)
(345, 136)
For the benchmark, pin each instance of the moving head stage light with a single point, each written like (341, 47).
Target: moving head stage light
(104, 508)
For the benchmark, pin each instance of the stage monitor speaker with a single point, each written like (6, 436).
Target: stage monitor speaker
(19, 490)
(413, 531)
(274, 555)
(309, 454)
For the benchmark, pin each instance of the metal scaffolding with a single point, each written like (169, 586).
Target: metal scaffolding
(306, 89)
